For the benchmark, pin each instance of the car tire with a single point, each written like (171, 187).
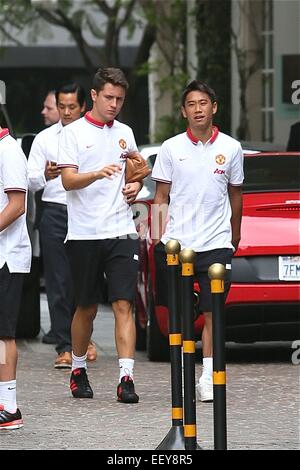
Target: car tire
(158, 349)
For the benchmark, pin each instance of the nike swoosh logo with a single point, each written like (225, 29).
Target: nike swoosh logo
(89, 146)
(181, 159)
(11, 388)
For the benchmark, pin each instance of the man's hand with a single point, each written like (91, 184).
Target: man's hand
(71, 179)
(109, 171)
(235, 242)
(130, 191)
(51, 171)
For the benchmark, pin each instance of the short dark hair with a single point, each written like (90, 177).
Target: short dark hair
(72, 88)
(111, 75)
(197, 85)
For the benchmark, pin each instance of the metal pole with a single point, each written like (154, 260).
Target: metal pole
(216, 274)
(174, 439)
(187, 257)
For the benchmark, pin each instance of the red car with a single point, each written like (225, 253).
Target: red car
(263, 302)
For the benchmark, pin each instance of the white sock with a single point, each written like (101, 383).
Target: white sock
(126, 367)
(8, 395)
(207, 368)
(79, 362)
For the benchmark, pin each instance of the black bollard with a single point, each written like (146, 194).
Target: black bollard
(174, 439)
(187, 257)
(216, 274)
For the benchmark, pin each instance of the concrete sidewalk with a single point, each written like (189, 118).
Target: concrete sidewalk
(263, 402)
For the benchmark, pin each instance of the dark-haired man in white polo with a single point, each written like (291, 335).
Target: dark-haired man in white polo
(44, 175)
(101, 231)
(15, 260)
(201, 172)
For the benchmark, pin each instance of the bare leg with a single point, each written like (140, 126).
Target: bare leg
(207, 335)
(82, 327)
(124, 329)
(10, 356)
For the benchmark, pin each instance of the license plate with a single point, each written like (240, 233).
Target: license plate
(289, 268)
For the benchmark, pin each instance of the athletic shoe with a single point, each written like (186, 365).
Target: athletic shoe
(79, 384)
(10, 421)
(205, 389)
(125, 391)
(63, 360)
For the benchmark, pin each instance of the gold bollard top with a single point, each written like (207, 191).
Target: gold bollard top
(216, 272)
(172, 247)
(187, 256)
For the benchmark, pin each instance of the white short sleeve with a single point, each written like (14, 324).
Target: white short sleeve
(68, 149)
(236, 175)
(36, 164)
(132, 145)
(14, 169)
(162, 170)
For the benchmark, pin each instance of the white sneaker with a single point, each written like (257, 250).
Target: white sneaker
(205, 389)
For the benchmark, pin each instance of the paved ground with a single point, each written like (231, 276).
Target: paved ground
(262, 398)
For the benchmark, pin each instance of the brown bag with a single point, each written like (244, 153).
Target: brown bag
(136, 167)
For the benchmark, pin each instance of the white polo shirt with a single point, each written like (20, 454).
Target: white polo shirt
(15, 248)
(199, 210)
(98, 211)
(45, 148)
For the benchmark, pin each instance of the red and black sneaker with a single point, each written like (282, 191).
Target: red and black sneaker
(125, 391)
(79, 384)
(10, 420)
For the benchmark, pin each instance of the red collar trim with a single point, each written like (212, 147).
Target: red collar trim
(195, 140)
(97, 123)
(4, 133)
(191, 136)
(214, 134)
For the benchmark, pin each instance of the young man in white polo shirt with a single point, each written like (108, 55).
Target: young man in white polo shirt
(201, 172)
(44, 175)
(15, 260)
(101, 232)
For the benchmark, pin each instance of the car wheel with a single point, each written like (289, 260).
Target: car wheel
(157, 344)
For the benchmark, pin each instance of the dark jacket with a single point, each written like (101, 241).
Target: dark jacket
(294, 138)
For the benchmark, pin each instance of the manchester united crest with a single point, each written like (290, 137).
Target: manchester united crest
(220, 159)
(122, 144)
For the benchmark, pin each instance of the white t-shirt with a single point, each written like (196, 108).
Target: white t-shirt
(199, 210)
(15, 248)
(98, 211)
(45, 148)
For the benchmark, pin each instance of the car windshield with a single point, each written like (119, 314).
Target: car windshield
(271, 173)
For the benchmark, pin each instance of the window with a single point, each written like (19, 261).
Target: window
(268, 73)
(271, 173)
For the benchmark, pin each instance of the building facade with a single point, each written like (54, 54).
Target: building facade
(269, 30)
